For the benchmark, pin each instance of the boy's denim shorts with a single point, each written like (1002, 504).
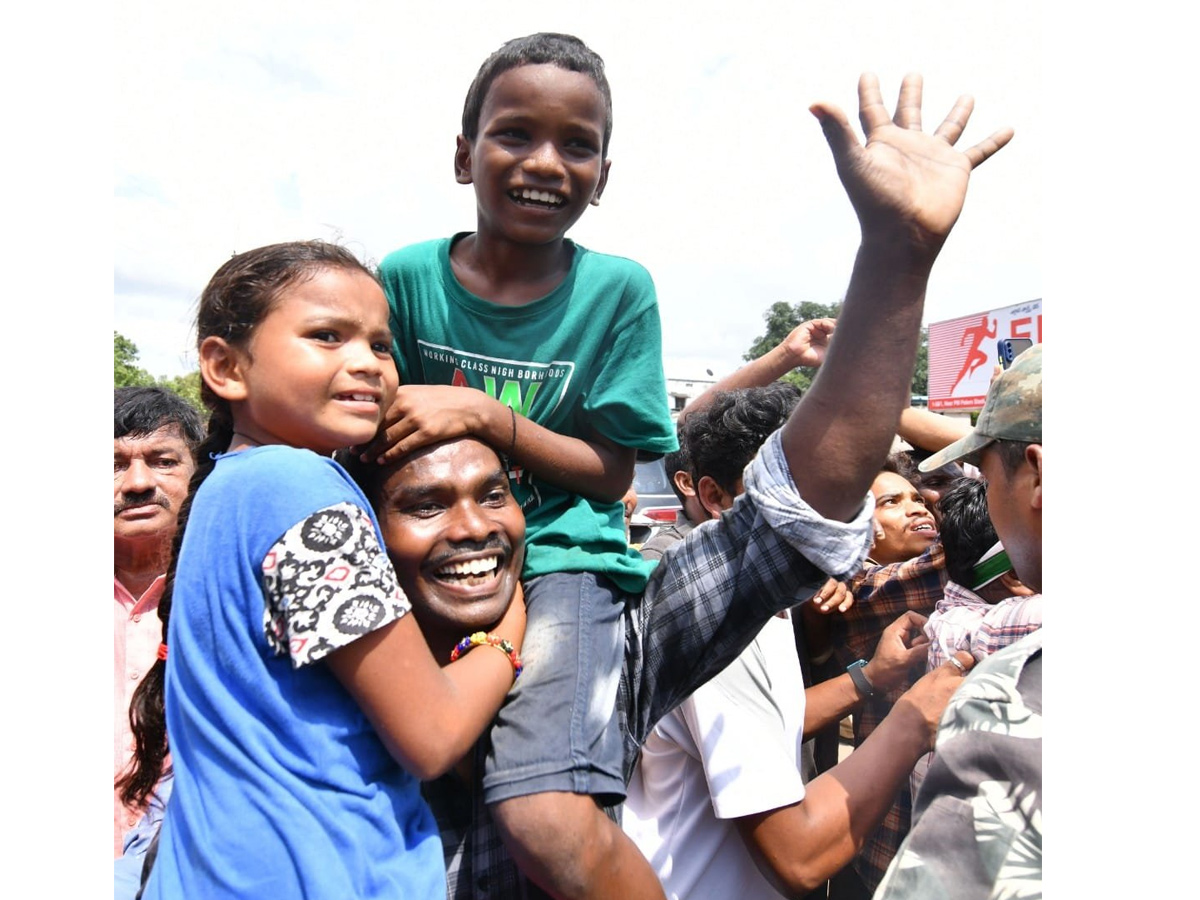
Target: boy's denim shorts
(558, 731)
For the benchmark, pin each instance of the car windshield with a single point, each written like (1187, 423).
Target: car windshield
(651, 478)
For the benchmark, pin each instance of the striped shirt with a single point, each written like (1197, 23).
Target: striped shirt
(965, 621)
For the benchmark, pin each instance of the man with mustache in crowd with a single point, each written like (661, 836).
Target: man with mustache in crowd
(155, 431)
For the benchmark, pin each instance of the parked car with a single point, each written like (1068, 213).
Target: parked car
(657, 504)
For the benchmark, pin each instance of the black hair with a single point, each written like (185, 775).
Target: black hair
(900, 463)
(677, 461)
(237, 298)
(723, 437)
(966, 530)
(141, 411)
(368, 476)
(544, 48)
(1012, 455)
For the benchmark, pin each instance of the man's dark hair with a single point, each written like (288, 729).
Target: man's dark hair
(677, 461)
(900, 463)
(966, 531)
(723, 438)
(1012, 455)
(141, 411)
(544, 48)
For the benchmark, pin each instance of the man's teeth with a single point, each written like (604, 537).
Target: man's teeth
(923, 528)
(471, 567)
(539, 196)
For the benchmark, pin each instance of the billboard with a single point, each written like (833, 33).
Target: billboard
(962, 353)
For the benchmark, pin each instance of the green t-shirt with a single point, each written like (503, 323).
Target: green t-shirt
(586, 357)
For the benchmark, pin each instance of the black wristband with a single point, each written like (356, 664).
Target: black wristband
(861, 682)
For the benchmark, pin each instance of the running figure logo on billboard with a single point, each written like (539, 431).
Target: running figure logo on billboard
(962, 353)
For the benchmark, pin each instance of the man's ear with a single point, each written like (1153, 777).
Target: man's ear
(462, 160)
(683, 481)
(222, 366)
(1013, 585)
(595, 201)
(713, 497)
(1033, 456)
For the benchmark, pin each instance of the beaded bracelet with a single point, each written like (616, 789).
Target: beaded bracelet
(482, 638)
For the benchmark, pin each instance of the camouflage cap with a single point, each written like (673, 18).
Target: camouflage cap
(1012, 412)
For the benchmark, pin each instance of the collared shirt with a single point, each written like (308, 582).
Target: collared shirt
(965, 621)
(881, 594)
(706, 601)
(137, 632)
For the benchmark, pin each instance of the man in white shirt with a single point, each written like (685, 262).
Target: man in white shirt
(717, 790)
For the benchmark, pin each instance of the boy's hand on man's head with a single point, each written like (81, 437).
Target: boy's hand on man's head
(423, 414)
(903, 182)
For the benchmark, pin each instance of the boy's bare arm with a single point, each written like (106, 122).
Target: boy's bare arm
(427, 414)
(907, 188)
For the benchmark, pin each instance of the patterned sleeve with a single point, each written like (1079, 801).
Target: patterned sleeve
(326, 582)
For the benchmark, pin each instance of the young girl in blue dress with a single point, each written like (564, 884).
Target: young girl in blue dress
(301, 699)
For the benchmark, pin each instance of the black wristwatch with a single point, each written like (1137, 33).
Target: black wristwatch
(860, 679)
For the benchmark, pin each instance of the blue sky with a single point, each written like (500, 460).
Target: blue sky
(265, 122)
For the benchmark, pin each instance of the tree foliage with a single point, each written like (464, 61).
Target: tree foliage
(186, 386)
(782, 317)
(127, 373)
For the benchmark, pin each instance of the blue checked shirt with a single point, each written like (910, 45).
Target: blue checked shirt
(707, 599)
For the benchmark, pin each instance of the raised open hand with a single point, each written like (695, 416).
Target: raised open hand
(904, 182)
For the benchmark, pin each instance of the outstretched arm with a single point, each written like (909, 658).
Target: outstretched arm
(929, 431)
(800, 845)
(907, 188)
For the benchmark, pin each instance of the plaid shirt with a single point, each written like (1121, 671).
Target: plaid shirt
(965, 621)
(881, 594)
(705, 602)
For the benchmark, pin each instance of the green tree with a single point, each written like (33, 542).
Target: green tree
(920, 382)
(782, 317)
(127, 373)
(186, 386)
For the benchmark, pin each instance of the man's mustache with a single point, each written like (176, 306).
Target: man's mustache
(129, 501)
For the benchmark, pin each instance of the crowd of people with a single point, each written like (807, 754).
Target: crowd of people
(379, 628)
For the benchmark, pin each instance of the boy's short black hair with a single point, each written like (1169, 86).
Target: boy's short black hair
(544, 48)
(967, 531)
(722, 438)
